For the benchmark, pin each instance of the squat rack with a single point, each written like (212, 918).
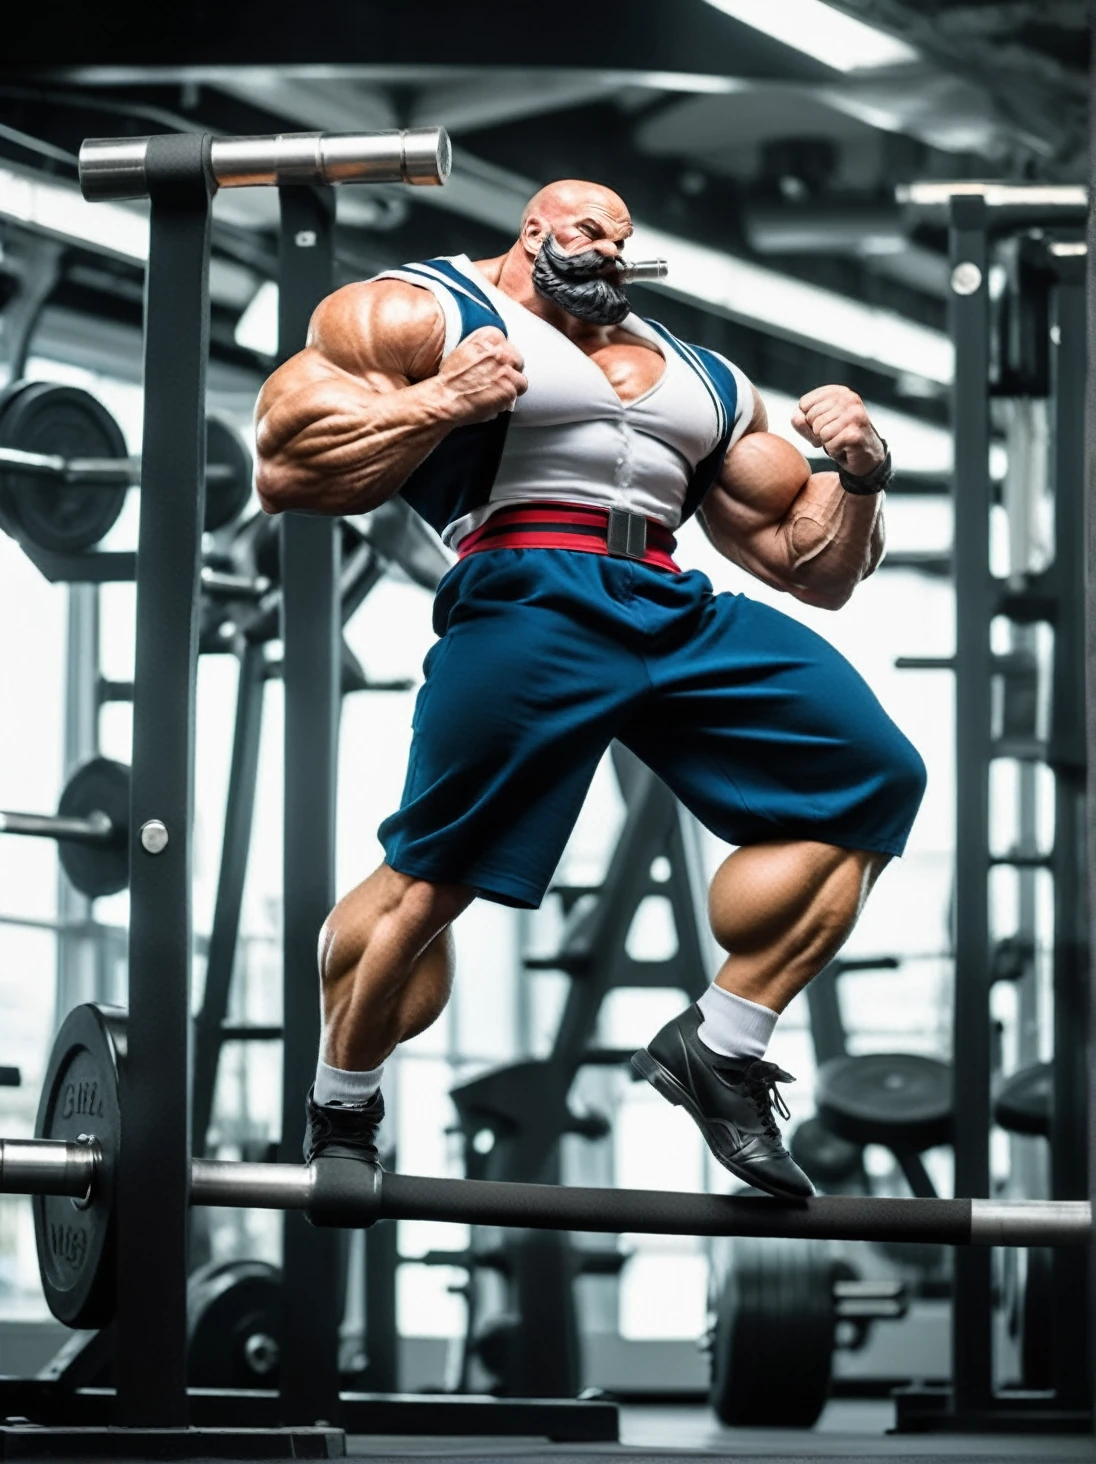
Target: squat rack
(179, 174)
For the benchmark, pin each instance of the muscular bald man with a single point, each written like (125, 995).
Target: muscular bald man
(556, 440)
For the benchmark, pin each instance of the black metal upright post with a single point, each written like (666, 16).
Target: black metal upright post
(1089, 610)
(972, 1331)
(312, 635)
(154, 1164)
(235, 847)
(1066, 755)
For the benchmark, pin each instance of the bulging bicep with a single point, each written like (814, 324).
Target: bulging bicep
(762, 476)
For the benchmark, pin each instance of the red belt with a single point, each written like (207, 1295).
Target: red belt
(587, 528)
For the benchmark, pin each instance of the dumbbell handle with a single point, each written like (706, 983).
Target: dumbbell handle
(95, 829)
(90, 472)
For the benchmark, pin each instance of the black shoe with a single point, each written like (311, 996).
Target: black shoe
(730, 1100)
(343, 1131)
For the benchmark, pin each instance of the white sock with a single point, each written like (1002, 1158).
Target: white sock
(349, 1090)
(733, 1026)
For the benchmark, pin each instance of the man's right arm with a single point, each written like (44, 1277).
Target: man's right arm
(342, 425)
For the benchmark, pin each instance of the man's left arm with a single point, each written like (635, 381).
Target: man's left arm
(807, 534)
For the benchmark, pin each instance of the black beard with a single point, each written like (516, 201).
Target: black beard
(581, 283)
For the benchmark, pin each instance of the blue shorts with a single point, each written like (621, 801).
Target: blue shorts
(757, 724)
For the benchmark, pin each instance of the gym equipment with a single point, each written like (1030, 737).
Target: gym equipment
(64, 472)
(74, 1228)
(348, 1194)
(48, 433)
(76, 1149)
(233, 1325)
(827, 1160)
(773, 1338)
(117, 168)
(91, 827)
(899, 1099)
(1033, 342)
(533, 1348)
(1023, 1101)
(229, 473)
(179, 174)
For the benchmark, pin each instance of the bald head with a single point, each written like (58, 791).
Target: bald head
(579, 215)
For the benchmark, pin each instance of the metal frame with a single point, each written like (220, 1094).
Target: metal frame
(1051, 596)
(972, 1343)
(154, 1174)
(312, 638)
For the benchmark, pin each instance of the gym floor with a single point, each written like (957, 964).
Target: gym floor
(847, 1430)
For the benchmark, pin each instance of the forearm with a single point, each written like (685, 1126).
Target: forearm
(833, 540)
(339, 449)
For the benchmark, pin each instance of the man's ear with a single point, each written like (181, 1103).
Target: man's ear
(533, 234)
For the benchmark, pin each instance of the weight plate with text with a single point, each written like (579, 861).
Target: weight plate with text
(62, 421)
(76, 1241)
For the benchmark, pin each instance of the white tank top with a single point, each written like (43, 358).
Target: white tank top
(572, 439)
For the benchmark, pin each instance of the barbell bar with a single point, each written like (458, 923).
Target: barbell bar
(96, 828)
(91, 827)
(347, 1192)
(117, 167)
(92, 472)
(65, 472)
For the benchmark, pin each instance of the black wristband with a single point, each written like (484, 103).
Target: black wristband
(873, 482)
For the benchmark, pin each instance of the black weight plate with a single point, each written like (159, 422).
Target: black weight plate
(228, 485)
(76, 1246)
(774, 1339)
(63, 518)
(97, 786)
(234, 1318)
(1024, 1099)
(897, 1099)
(9, 521)
(823, 1157)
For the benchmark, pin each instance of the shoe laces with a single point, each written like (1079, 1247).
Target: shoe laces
(760, 1082)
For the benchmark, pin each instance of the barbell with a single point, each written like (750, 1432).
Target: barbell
(65, 471)
(91, 827)
(70, 1169)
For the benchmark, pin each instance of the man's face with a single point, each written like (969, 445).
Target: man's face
(575, 249)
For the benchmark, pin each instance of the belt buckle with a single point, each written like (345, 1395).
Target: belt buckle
(626, 536)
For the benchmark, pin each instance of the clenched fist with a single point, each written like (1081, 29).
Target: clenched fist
(836, 420)
(481, 377)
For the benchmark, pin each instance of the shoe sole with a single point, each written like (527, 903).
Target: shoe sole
(665, 1084)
